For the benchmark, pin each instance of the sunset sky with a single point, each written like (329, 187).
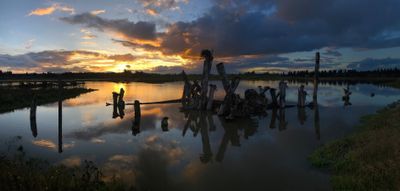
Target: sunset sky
(167, 36)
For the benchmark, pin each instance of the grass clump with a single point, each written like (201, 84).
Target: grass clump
(370, 158)
(21, 173)
(18, 98)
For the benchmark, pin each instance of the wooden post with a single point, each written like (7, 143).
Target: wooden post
(186, 91)
(115, 105)
(221, 72)
(229, 97)
(301, 97)
(59, 117)
(121, 97)
(137, 112)
(211, 96)
(316, 77)
(315, 96)
(282, 94)
(208, 57)
(33, 116)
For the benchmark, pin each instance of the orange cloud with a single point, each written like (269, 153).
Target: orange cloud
(151, 12)
(97, 12)
(51, 9)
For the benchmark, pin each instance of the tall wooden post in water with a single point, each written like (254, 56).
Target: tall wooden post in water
(316, 76)
(60, 117)
(208, 58)
(315, 97)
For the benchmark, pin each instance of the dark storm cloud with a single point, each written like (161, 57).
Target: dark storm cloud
(139, 30)
(135, 45)
(234, 27)
(55, 60)
(373, 64)
(332, 52)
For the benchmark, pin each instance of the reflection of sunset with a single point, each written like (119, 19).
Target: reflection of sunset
(133, 91)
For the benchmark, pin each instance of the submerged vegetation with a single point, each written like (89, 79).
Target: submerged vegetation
(370, 158)
(17, 98)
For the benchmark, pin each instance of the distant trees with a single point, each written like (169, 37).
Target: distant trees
(393, 72)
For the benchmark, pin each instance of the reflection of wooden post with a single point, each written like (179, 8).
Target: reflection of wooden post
(274, 98)
(210, 121)
(272, 124)
(316, 122)
(59, 118)
(301, 115)
(33, 117)
(136, 121)
(282, 119)
(208, 58)
(211, 96)
(137, 112)
(207, 153)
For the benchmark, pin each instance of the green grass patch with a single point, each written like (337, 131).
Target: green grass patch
(18, 98)
(369, 159)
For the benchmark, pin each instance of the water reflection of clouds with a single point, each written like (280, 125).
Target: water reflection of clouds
(48, 144)
(148, 168)
(151, 115)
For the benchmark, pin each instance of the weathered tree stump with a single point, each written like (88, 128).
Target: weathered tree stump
(282, 94)
(121, 101)
(115, 105)
(301, 97)
(346, 97)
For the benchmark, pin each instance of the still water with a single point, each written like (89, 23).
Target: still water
(200, 151)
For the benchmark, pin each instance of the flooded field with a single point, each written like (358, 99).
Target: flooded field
(198, 150)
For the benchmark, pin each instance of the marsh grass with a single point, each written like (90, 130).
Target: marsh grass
(18, 172)
(369, 159)
(18, 98)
